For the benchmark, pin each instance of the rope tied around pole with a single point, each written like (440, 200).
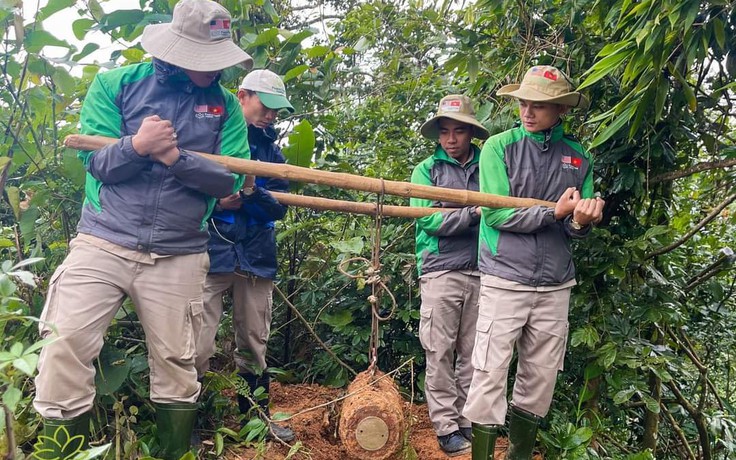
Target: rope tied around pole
(372, 276)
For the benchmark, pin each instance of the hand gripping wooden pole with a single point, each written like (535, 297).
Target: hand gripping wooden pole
(343, 181)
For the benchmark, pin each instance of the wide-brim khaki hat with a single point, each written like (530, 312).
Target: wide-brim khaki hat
(545, 83)
(455, 107)
(198, 38)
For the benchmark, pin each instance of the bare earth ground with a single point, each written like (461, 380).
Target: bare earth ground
(317, 429)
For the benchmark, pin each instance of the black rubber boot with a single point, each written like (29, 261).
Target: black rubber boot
(483, 439)
(54, 443)
(174, 424)
(284, 433)
(522, 434)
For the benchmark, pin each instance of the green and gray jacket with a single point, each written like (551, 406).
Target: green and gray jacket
(139, 203)
(447, 241)
(528, 245)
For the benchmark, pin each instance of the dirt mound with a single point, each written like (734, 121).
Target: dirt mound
(317, 429)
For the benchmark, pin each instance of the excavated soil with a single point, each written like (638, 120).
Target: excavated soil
(317, 429)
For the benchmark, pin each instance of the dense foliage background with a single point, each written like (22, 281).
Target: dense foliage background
(650, 367)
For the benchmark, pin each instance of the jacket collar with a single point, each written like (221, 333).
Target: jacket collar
(546, 137)
(170, 74)
(261, 135)
(441, 155)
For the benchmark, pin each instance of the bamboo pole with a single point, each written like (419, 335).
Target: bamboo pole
(340, 180)
(352, 207)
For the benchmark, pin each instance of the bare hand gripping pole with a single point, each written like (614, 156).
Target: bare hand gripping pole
(343, 181)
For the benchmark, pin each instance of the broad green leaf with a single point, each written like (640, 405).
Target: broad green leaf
(37, 39)
(317, 51)
(300, 149)
(353, 245)
(339, 319)
(26, 364)
(120, 18)
(271, 11)
(13, 193)
(95, 9)
(295, 72)
(80, 27)
(112, 370)
(361, 45)
(582, 435)
(64, 82)
(88, 49)
(11, 398)
(53, 6)
(265, 37)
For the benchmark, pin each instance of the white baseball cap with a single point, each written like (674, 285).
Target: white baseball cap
(269, 87)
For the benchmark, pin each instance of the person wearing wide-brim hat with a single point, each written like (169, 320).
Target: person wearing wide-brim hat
(242, 251)
(142, 233)
(447, 255)
(525, 260)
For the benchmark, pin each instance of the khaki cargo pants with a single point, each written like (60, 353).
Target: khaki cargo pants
(446, 330)
(535, 321)
(86, 291)
(252, 304)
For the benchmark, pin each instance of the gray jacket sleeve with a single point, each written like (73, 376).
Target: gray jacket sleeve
(117, 162)
(528, 220)
(205, 176)
(458, 222)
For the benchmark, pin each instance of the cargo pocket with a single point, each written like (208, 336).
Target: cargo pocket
(195, 310)
(561, 362)
(267, 316)
(51, 306)
(481, 350)
(425, 329)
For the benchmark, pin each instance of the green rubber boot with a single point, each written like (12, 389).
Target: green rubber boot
(174, 424)
(62, 438)
(522, 434)
(483, 439)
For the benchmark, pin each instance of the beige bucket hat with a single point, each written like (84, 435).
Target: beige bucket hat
(456, 107)
(198, 38)
(544, 83)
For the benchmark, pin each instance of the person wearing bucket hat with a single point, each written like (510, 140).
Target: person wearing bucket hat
(142, 232)
(447, 261)
(242, 249)
(525, 261)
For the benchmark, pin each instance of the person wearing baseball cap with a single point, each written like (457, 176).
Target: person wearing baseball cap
(525, 261)
(143, 232)
(242, 249)
(447, 261)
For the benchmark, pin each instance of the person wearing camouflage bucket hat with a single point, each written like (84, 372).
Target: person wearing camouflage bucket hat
(447, 254)
(525, 261)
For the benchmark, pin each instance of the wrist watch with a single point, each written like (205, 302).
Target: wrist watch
(575, 225)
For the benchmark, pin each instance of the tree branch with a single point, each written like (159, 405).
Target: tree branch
(700, 167)
(712, 215)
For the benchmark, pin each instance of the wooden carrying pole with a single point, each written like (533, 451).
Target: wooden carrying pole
(339, 180)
